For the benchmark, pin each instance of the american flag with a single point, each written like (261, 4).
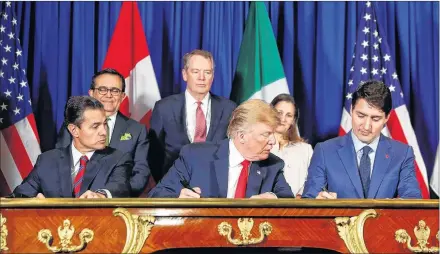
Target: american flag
(372, 60)
(20, 145)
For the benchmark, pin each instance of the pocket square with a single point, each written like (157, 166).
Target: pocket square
(126, 136)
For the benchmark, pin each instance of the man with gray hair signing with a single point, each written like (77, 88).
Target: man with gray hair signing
(238, 167)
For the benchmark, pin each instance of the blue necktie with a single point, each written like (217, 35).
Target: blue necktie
(364, 169)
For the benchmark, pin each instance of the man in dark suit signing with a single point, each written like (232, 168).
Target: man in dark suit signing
(124, 134)
(86, 168)
(193, 116)
(239, 167)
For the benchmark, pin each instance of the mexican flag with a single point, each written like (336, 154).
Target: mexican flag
(259, 73)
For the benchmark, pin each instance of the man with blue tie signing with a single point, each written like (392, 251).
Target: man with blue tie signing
(364, 163)
(238, 167)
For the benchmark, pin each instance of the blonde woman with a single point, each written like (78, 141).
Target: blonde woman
(289, 146)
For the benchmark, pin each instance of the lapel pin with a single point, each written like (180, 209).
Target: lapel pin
(387, 156)
(258, 172)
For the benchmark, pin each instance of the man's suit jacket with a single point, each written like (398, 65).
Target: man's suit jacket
(334, 164)
(168, 132)
(206, 165)
(137, 146)
(107, 169)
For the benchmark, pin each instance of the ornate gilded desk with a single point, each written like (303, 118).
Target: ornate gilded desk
(149, 225)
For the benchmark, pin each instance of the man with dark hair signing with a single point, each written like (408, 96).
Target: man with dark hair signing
(364, 163)
(238, 167)
(86, 168)
(123, 133)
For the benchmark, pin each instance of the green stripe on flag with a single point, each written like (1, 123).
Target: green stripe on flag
(259, 63)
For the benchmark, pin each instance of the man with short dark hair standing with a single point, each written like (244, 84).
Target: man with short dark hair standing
(124, 134)
(86, 168)
(364, 163)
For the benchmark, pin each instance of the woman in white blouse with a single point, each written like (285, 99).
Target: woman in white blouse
(289, 146)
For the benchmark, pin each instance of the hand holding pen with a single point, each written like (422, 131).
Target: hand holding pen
(188, 191)
(325, 194)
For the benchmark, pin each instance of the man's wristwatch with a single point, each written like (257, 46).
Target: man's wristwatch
(102, 192)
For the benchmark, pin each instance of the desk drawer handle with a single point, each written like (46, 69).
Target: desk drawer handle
(3, 233)
(422, 233)
(65, 234)
(245, 225)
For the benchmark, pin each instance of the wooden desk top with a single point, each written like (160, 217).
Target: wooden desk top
(149, 225)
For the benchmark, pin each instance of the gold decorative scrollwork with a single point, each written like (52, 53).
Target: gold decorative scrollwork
(245, 225)
(422, 233)
(66, 234)
(3, 233)
(351, 230)
(138, 229)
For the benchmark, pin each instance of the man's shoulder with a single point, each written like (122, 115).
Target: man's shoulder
(200, 148)
(272, 161)
(113, 154)
(333, 142)
(225, 102)
(164, 102)
(131, 122)
(396, 145)
(55, 153)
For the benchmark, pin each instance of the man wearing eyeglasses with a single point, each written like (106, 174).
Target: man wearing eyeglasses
(195, 115)
(124, 134)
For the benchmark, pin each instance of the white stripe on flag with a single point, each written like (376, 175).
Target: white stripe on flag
(30, 142)
(346, 121)
(386, 132)
(435, 174)
(270, 91)
(7, 164)
(142, 89)
(403, 115)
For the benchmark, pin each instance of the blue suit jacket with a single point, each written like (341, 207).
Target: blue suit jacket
(206, 165)
(334, 165)
(107, 169)
(168, 133)
(137, 146)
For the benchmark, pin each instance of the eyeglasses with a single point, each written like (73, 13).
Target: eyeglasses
(102, 90)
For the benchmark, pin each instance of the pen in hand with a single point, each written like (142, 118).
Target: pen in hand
(187, 186)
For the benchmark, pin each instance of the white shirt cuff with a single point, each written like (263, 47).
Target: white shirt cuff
(109, 195)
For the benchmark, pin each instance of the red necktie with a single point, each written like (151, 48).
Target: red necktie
(80, 175)
(240, 192)
(200, 133)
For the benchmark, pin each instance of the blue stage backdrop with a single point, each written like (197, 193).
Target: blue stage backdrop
(66, 42)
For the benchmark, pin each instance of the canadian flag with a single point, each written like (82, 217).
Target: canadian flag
(128, 53)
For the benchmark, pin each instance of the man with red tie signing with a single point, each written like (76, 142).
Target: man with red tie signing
(87, 168)
(238, 167)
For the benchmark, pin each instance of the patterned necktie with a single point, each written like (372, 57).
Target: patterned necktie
(107, 138)
(80, 175)
(240, 192)
(364, 169)
(200, 133)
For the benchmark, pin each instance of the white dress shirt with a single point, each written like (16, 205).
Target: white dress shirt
(191, 109)
(296, 157)
(235, 167)
(76, 156)
(358, 145)
(111, 125)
